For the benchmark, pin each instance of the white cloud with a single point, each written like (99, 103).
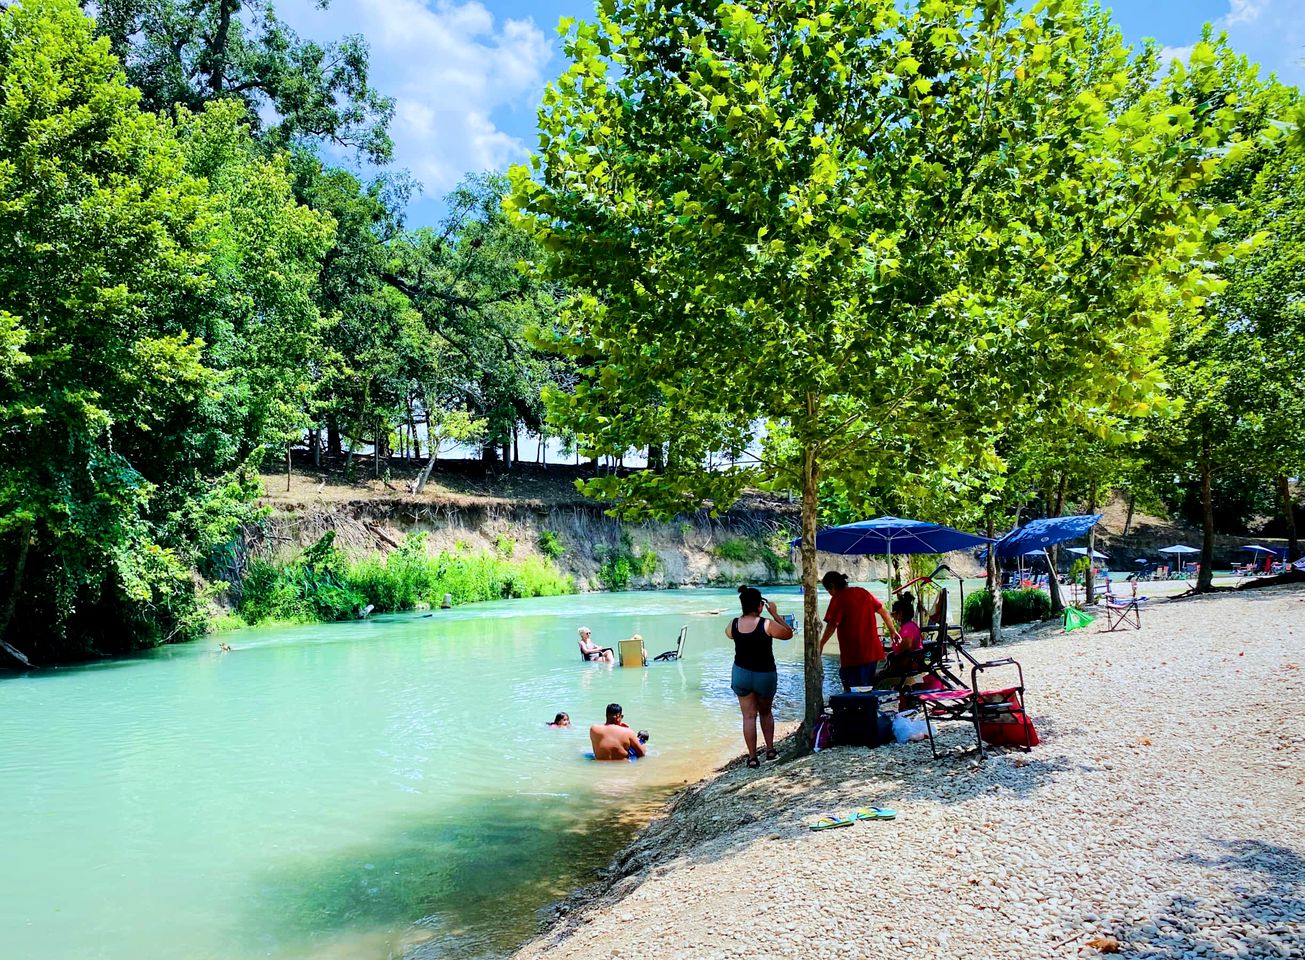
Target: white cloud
(450, 66)
(1169, 54)
(1243, 11)
(1270, 32)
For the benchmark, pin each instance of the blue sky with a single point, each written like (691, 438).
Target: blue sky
(467, 74)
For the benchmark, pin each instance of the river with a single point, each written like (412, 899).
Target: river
(366, 790)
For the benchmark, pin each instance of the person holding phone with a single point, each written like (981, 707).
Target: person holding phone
(755, 677)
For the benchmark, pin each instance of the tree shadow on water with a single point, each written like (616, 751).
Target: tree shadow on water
(1256, 911)
(461, 883)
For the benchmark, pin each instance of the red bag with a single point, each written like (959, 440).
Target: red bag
(1012, 729)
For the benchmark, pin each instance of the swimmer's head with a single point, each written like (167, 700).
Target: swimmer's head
(585, 633)
(614, 712)
(561, 720)
(643, 736)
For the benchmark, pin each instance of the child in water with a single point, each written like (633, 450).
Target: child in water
(561, 720)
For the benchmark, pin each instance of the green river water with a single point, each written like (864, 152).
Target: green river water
(367, 790)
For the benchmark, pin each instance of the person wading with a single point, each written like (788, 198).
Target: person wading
(755, 676)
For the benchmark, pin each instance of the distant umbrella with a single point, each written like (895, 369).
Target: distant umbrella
(1082, 552)
(1178, 548)
(1256, 548)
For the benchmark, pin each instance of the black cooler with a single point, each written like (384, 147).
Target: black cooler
(857, 720)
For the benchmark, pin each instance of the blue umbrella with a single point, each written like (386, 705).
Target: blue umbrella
(894, 534)
(1047, 532)
(1256, 548)
(891, 535)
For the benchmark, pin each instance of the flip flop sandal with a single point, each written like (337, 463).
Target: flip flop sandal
(874, 813)
(753, 763)
(829, 823)
(772, 754)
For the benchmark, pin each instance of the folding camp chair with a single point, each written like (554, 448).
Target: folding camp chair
(994, 709)
(678, 652)
(631, 652)
(1121, 614)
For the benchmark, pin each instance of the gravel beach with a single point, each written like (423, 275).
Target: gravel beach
(1163, 816)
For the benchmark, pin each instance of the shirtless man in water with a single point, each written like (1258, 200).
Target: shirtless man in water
(613, 740)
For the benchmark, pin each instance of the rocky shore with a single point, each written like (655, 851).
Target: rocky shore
(1162, 817)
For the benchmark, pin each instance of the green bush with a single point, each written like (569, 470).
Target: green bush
(615, 571)
(399, 581)
(617, 567)
(550, 545)
(314, 587)
(736, 550)
(1018, 606)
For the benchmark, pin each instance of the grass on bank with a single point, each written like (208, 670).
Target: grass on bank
(324, 585)
(748, 550)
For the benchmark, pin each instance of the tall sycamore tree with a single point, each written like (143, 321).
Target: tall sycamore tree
(867, 221)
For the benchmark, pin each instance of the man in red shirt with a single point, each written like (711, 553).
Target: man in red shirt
(851, 613)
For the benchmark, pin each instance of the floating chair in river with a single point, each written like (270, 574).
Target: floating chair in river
(678, 652)
(631, 652)
(1075, 618)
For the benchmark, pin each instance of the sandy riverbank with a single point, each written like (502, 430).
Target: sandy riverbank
(1165, 808)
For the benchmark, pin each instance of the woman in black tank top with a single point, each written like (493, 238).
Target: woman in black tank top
(754, 676)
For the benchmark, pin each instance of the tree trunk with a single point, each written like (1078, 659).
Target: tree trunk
(1132, 503)
(15, 590)
(1053, 555)
(1053, 584)
(218, 53)
(1090, 581)
(516, 446)
(376, 451)
(813, 667)
(334, 448)
(289, 467)
(1289, 515)
(1205, 578)
(657, 459)
(994, 587)
(425, 473)
(315, 438)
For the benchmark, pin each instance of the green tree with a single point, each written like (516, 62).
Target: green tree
(191, 52)
(1228, 357)
(155, 280)
(866, 223)
(466, 280)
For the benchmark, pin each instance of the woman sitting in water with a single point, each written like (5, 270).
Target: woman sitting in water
(755, 677)
(592, 651)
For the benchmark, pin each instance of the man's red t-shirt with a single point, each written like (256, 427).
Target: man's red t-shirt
(852, 611)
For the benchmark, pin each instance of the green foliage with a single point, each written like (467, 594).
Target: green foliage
(402, 580)
(505, 545)
(315, 587)
(192, 52)
(1018, 606)
(139, 373)
(550, 545)
(750, 550)
(620, 565)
